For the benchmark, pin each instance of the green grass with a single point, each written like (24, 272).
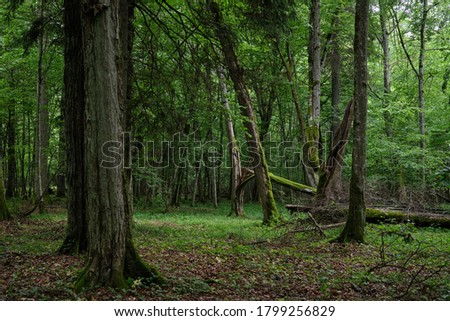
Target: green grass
(207, 255)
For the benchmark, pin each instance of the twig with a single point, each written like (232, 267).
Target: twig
(316, 224)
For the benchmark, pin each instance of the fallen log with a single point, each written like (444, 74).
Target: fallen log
(282, 181)
(376, 216)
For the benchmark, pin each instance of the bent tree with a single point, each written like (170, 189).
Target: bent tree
(256, 152)
(112, 257)
(354, 228)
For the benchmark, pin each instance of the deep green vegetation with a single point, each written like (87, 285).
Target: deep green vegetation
(153, 131)
(206, 255)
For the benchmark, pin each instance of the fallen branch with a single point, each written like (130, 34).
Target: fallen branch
(377, 216)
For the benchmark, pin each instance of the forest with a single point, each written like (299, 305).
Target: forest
(225, 150)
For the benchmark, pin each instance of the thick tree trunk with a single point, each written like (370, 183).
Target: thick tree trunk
(112, 257)
(74, 122)
(256, 152)
(11, 182)
(4, 212)
(237, 200)
(386, 69)
(354, 228)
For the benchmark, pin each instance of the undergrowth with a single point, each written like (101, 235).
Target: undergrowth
(207, 255)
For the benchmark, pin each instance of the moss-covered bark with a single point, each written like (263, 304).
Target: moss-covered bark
(255, 150)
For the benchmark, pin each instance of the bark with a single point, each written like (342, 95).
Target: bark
(335, 73)
(4, 212)
(312, 131)
(112, 258)
(256, 152)
(386, 69)
(420, 78)
(42, 126)
(329, 186)
(354, 228)
(76, 238)
(11, 182)
(61, 177)
(237, 200)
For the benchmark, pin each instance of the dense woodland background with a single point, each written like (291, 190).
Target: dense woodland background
(195, 98)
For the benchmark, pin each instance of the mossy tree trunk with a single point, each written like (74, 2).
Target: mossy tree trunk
(237, 199)
(112, 257)
(354, 228)
(256, 152)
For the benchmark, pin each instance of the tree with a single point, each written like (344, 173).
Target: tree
(386, 68)
(354, 228)
(4, 212)
(312, 131)
(256, 152)
(237, 200)
(112, 257)
(42, 124)
(74, 121)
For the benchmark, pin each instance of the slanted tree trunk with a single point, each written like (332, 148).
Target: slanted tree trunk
(76, 240)
(312, 131)
(237, 200)
(42, 125)
(386, 69)
(354, 228)
(11, 182)
(256, 152)
(112, 257)
(289, 66)
(4, 212)
(330, 178)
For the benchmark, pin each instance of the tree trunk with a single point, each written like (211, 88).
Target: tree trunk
(237, 200)
(74, 122)
(4, 212)
(289, 66)
(312, 131)
(354, 228)
(42, 127)
(112, 257)
(256, 152)
(61, 177)
(11, 184)
(330, 178)
(386, 69)
(420, 77)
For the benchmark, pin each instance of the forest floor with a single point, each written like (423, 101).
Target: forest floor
(206, 255)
